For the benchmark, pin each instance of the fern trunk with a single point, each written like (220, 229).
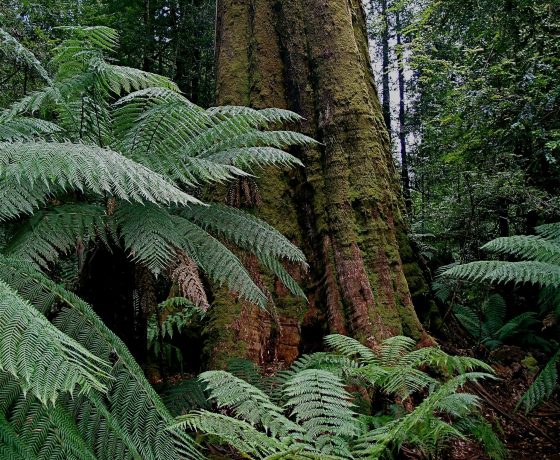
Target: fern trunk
(345, 208)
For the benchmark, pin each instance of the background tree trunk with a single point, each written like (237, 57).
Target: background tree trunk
(344, 209)
(405, 178)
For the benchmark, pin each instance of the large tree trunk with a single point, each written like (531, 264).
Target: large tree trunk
(345, 208)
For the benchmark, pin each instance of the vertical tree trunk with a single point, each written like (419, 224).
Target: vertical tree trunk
(385, 87)
(405, 178)
(343, 208)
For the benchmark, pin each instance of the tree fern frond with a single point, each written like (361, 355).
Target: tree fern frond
(25, 128)
(50, 233)
(12, 48)
(120, 79)
(350, 347)
(550, 231)
(401, 380)
(48, 432)
(153, 235)
(494, 309)
(278, 270)
(238, 433)
(11, 446)
(45, 361)
(322, 406)
(375, 444)
(436, 358)
(132, 401)
(186, 396)
(516, 324)
(33, 170)
(244, 229)
(468, 318)
(260, 118)
(249, 403)
(543, 386)
(250, 157)
(246, 370)
(394, 348)
(277, 139)
(527, 247)
(496, 271)
(483, 432)
(101, 37)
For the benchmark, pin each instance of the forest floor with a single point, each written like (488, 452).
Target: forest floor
(533, 436)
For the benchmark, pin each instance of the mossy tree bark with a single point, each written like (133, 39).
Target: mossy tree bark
(344, 208)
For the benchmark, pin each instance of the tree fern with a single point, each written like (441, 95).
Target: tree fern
(33, 172)
(52, 232)
(246, 438)
(244, 229)
(543, 386)
(320, 403)
(13, 49)
(497, 271)
(118, 178)
(327, 424)
(249, 403)
(45, 361)
(132, 402)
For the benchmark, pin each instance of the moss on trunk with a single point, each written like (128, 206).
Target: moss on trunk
(344, 209)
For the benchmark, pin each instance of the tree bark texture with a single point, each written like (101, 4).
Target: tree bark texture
(344, 209)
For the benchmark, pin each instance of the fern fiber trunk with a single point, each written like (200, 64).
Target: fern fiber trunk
(344, 209)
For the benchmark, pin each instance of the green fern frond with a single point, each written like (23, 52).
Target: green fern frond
(527, 247)
(321, 405)
(246, 370)
(278, 270)
(12, 48)
(132, 401)
(32, 171)
(186, 396)
(401, 380)
(516, 324)
(483, 432)
(182, 313)
(50, 233)
(543, 386)
(550, 231)
(248, 403)
(45, 361)
(25, 128)
(101, 37)
(496, 271)
(238, 433)
(152, 235)
(393, 435)
(350, 347)
(251, 157)
(11, 446)
(494, 310)
(436, 358)
(394, 348)
(259, 118)
(469, 319)
(244, 229)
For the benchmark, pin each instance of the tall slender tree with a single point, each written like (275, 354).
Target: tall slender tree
(405, 177)
(345, 207)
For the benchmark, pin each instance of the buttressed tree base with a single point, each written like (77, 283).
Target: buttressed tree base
(344, 208)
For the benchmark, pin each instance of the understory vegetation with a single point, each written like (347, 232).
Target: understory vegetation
(136, 232)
